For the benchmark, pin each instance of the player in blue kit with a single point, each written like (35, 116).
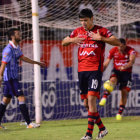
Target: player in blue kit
(9, 73)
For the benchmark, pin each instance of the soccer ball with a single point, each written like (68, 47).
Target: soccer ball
(108, 86)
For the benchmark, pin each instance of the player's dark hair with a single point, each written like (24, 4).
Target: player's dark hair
(122, 40)
(85, 13)
(11, 32)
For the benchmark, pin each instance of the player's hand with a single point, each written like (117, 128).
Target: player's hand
(78, 40)
(42, 64)
(0, 80)
(122, 68)
(95, 36)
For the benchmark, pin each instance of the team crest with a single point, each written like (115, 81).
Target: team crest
(126, 56)
(5, 55)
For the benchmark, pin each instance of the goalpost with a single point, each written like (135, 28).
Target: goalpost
(56, 87)
(119, 18)
(37, 75)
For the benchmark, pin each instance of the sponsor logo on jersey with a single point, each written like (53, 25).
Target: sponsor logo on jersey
(89, 45)
(116, 55)
(87, 53)
(120, 64)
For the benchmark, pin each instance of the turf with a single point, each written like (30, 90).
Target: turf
(127, 129)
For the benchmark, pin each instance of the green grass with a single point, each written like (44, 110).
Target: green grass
(127, 129)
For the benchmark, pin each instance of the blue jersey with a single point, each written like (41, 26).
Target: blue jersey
(10, 56)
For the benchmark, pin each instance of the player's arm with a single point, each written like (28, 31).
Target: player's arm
(112, 40)
(132, 58)
(106, 63)
(68, 40)
(2, 68)
(109, 58)
(28, 60)
(6, 57)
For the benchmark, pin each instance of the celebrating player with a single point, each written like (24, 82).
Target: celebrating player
(124, 59)
(9, 73)
(91, 40)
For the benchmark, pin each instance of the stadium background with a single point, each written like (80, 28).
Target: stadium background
(59, 84)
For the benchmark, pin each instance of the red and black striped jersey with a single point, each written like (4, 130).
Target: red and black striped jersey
(121, 59)
(90, 52)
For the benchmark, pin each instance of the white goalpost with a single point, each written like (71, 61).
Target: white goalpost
(119, 18)
(36, 52)
(52, 93)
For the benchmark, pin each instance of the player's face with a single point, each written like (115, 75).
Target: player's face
(87, 23)
(17, 36)
(122, 48)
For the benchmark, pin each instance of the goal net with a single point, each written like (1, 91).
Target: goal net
(59, 82)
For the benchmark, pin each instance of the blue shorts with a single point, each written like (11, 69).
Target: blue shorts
(12, 88)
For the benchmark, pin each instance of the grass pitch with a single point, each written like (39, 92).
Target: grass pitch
(127, 129)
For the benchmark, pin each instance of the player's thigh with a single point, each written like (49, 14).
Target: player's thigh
(83, 82)
(17, 88)
(14, 88)
(126, 81)
(94, 81)
(115, 76)
(6, 90)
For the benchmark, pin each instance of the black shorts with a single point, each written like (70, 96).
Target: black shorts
(89, 81)
(123, 77)
(12, 88)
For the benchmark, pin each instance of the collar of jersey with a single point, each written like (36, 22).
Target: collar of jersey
(91, 28)
(12, 44)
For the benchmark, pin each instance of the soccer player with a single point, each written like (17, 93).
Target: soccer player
(123, 59)
(9, 73)
(91, 40)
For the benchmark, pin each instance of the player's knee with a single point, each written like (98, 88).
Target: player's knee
(85, 102)
(113, 80)
(6, 100)
(124, 92)
(108, 86)
(21, 98)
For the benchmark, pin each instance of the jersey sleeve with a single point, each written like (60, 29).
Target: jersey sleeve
(111, 54)
(20, 54)
(6, 55)
(132, 52)
(105, 32)
(73, 34)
